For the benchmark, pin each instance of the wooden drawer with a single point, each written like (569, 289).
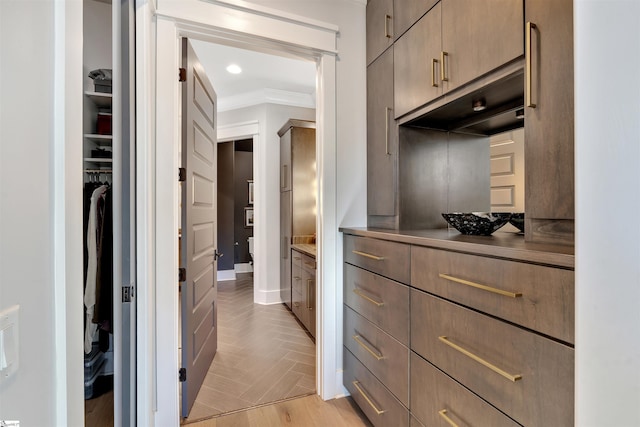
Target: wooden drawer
(389, 259)
(378, 404)
(382, 301)
(298, 306)
(433, 392)
(537, 297)
(489, 357)
(308, 263)
(385, 357)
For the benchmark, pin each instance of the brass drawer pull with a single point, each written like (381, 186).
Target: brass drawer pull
(434, 61)
(362, 344)
(387, 110)
(479, 286)
(443, 414)
(296, 277)
(309, 285)
(364, 254)
(387, 18)
(443, 67)
(467, 353)
(528, 100)
(358, 292)
(369, 401)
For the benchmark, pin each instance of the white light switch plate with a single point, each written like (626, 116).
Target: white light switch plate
(9, 342)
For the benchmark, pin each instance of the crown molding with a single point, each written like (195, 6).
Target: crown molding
(267, 96)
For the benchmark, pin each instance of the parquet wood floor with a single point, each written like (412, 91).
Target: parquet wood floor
(263, 356)
(309, 411)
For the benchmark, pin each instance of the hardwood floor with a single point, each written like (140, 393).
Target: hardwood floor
(263, 356)
(309, 411)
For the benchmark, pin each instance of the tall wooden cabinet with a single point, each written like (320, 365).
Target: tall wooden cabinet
(549, 125)
(379, 27)
(382, 137)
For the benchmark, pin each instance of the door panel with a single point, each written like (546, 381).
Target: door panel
(199, 291)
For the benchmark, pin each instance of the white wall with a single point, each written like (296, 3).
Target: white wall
(266, 179)
(607, 206)
(26, 204)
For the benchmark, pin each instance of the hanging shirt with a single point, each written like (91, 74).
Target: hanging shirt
(92, 266)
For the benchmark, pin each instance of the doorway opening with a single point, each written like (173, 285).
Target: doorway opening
(264, 353)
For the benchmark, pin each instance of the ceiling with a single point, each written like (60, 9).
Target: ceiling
(264, 77)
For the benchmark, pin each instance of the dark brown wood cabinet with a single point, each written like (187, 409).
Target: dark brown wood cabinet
(379, 27)
(456, 42)
(549, 125)
(491, 329)
(382, 138)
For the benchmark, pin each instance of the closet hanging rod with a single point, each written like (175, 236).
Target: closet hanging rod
(98, 171)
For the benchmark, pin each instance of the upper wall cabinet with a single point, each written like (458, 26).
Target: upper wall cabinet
(407, 12)
(549, 124)
(416, 66)
(379, 27)
(454, 43)
(382, 138)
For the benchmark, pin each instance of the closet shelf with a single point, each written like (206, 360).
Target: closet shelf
(99, 98)
(97, 160)
(100, 140)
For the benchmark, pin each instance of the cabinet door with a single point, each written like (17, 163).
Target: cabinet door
(479, 36)
(285, 247)
(382, 140)
(416, 66)
(549, 126)
(379, 27)
(310, 281)
(407, 12)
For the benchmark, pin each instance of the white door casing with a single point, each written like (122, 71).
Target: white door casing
(242, 25)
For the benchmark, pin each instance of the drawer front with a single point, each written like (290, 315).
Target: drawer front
(296, 258)
(537, 297)
(389, 259)
(378, 404)
(296, 278)
(298, 307)
(436, 398)
(308, 263)
(382, 301)
(385, 357)
(521, 373)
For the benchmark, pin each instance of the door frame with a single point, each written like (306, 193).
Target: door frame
(158, 132)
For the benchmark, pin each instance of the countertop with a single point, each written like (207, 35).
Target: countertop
(305, 248)
(501, 244)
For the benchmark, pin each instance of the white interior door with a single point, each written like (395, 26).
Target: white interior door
(507, 171)
(199, 227)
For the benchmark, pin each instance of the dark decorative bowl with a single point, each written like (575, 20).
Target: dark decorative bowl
(517, 220)
(477, 223)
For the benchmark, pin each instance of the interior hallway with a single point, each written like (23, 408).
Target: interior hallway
(263, 356)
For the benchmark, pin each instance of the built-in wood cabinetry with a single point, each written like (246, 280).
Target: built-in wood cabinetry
(454, 43)
(490, 338)
(382, 138)
(549, 126)
(447, 55)
(303, 289)
(379, 27)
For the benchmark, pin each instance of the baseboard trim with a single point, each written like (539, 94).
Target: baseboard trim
(224, 275)
(244, 268)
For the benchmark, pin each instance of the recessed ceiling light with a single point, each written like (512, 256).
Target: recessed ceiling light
(234, 69)
(479, 104)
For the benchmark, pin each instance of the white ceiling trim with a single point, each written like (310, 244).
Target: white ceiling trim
(267, 96)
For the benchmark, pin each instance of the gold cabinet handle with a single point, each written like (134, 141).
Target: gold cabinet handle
(363, 343)
(296, 278)
(285, 253)
(285, 176)
(369, 401)
(387, 18)
(366, 255)
(358, 292)
(386, 130)
(443, 414)
(530, 27)
(479, 286)
(443, 68)
(494, 368)
(434, 61)
(309, 306)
